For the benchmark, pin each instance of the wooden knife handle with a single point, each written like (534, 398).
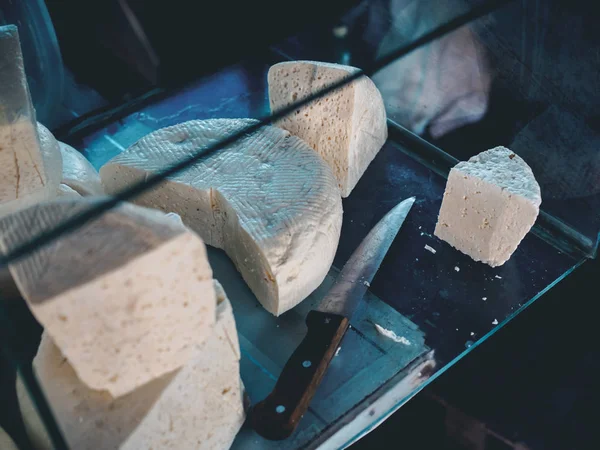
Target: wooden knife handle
(277, 416)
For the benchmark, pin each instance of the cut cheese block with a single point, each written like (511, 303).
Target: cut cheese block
(347, 127)
(78, 173)
(268, 201)
(125, 297)
(199, 406)
(6, 443)
(25, 171)
(491, 202)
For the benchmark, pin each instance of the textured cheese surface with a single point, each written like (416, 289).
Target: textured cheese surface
(268, 201)
(196, 407)
(347, 127)
(25, 172)
(78, 173)
(490, 203)
(125, 297)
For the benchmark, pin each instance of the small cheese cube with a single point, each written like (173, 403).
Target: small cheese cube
(491, 202)
(347, 127)
(199, 406)
(125, 298)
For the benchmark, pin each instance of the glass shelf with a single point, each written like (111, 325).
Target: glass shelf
(455, 302)
(443, 302)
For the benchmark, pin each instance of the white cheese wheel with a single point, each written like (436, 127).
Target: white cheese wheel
(347, 127)
(199, 406)
(268, 201)
(78, 173)
(490, 203)
(6, 443)
(125, 297)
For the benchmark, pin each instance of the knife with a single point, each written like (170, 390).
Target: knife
(278, 415)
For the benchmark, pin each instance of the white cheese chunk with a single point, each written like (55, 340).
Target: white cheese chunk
(268, 201)
(25, 172)
(78, 173)
(199, 406)
(491, 202)
(347, 127)
(125, 297)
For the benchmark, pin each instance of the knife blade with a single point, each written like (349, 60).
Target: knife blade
(278, 415)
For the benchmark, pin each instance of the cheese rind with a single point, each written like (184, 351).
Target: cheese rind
(347, 127)
(269, 201)
(125, 297)
(490, 204)
(198, 406)
(78, 173)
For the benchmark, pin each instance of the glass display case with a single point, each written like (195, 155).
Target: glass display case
(465, 76)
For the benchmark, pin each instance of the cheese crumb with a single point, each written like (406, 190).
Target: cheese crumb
(366, 283)
(495, 322)
(472, 334)
(484, 298)
(337, 352)
(457, 268)
(431, 249)
(496, 276)
(391, 335)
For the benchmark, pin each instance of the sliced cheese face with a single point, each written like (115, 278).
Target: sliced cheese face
(347, 127)
(198, 406)
(490, 203)
(26, 172)
(125, 297)
(78, 173)
(269, 201)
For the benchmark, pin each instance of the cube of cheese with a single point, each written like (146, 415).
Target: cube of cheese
(125, 298)
(347, 127)
(198, 406)
(491, 202)
(268, 200)
(27, 167)
(78, 173)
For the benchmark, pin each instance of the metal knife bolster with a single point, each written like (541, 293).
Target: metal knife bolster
(277, 416)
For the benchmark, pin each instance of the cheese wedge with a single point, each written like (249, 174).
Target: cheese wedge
(78, 173)
(490, 203)
(196, 407)
(26, 170)
(6, 443)
(347, 127)
(125, 298)
(268, 201)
